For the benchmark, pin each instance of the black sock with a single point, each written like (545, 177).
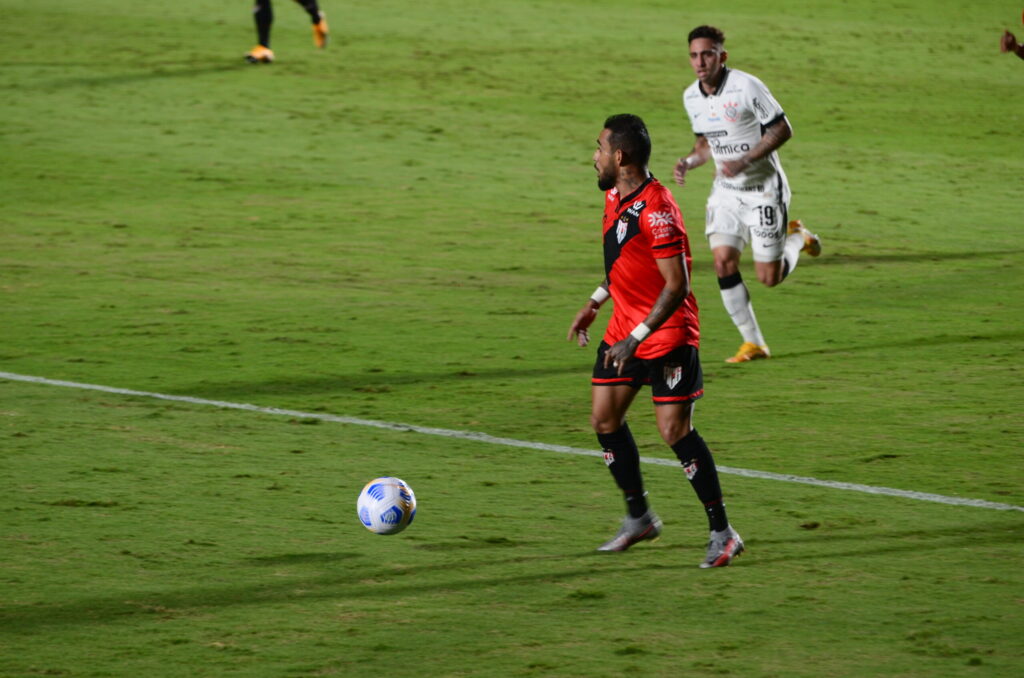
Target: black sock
(312, 8)
(730, 281)
(700, 469)
(623, 460)
(264, 15)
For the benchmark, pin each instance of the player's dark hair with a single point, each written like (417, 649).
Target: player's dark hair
(710, 32)
(629, 135)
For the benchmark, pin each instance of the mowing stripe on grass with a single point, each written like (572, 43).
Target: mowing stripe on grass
(512, 442)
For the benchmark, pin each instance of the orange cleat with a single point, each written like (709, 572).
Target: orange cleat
(259, 55)
(812, 243)
(320, 32)
(749, 351)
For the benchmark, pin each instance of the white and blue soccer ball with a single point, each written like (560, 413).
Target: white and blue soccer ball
(386, 505)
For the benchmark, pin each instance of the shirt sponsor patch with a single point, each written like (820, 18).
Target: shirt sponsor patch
(662, 219)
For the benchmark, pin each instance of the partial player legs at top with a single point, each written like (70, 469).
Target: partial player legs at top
(319, 20)
(263, 14)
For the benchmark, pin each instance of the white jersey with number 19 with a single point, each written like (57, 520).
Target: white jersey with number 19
(733, 120)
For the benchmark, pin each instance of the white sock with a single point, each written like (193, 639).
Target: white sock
(791, 250)
(737, 302)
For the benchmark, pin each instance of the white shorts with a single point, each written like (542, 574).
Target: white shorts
(735, 218)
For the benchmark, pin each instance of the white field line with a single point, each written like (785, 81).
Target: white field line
(512, 442)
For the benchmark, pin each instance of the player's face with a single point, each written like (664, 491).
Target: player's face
(707, 59)
(604, 162)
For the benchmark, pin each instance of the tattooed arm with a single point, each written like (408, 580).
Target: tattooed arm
(675, 291)
(773, 137)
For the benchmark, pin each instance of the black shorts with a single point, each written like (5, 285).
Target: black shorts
(674, 378)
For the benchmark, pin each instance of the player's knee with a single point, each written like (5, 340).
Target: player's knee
(603, 422)
(673, 431)
(770, 276)
(726, 266)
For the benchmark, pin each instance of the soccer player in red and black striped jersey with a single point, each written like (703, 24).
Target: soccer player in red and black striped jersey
(652, 337)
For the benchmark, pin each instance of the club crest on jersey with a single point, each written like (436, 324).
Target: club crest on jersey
(609, 457)
(690, 469)
(731, 111)
(673, 375)
(620, 230)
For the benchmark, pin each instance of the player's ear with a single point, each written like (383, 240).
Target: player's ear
(725, 56)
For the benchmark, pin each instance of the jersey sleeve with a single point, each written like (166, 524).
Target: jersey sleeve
(690, 105)
(664, 226)
(766, 109)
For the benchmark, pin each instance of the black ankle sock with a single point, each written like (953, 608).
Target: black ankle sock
(312, 8)
(264, 14)
(623, 460)
(700, 469)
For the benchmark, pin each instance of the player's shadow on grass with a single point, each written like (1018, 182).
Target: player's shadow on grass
(820, 546)
(917, 342)
(161, 71)
(372, 382)
(367, 579)
(301, 559)
(842, 259)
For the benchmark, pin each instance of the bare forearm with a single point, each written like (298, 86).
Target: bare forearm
(699, 154)
(667, 303)
(773, 138)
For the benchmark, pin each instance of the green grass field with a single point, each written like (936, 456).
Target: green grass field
(400, 228)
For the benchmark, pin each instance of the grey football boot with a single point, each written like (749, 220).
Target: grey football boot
(722, 548)
(633, 530)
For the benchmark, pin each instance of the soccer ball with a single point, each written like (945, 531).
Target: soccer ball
(386, 505)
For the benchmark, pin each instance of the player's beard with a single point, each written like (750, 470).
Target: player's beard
(606, 181)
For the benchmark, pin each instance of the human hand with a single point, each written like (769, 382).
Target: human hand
(679, 174)
(731, 168)
(583, 319)
(1008, 43)
(622, 352)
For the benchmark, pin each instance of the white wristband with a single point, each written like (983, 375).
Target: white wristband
(600, 295)
(691, 161)
(640, 332)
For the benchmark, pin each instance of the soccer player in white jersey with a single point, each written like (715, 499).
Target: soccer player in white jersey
(740, 125)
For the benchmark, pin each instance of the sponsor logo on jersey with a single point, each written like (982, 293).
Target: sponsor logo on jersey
(767, 233)
(690, 469)
(635, 209)
(663, 226)
(661, 219)
(716, 133)
(673, 375)
(718, 147)
(759, 107)
(620, 230)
